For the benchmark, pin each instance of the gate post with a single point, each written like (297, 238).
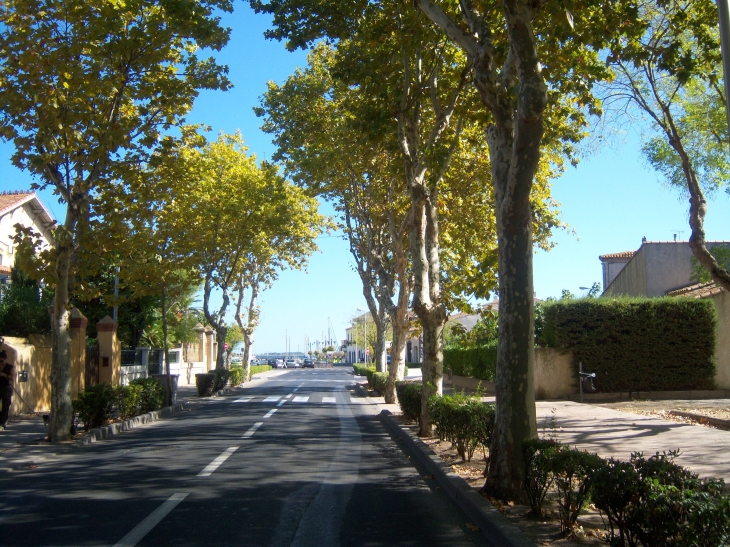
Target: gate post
(110, 351)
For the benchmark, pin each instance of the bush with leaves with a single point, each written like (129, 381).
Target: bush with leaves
(127, 401)
(95, 405)
(409, 399)
(539, 477)
(377, 381)
(477, 362)
(152, 396)
(464, 421)
(235, 376)
(361, 370)
(205, 383)
(258, 369)
(572, 470)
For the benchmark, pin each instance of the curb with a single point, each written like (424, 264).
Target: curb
(132, 423)
(701, 418)
(496, 528)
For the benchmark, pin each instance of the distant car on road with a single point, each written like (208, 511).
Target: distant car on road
(277, 363)
(291, 363)
(308, 363)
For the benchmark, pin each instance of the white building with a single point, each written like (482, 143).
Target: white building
(26, 209)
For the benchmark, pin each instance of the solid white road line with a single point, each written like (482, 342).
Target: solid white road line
(243, 400)
(281, 403)
(144, 527)
(329, 400)
(212, 466)
(270, 413)
(252, 430)
(272, 399)
(301, 399)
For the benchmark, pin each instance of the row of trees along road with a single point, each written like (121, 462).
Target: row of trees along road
(90, 92)
(420, 94)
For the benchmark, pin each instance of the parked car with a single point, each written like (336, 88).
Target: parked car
(308, 363)
(277, 363)
(291, 363)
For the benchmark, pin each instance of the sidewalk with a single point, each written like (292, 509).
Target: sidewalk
(614, 433)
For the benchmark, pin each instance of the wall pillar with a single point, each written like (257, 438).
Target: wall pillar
(78, 352)
(110, 351)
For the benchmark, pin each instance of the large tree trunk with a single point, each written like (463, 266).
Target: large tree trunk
(221, 330)
(427, 296)
(396, 370)
(59, 426)
(166, 347)
(515, 401)
(381, 321)
(247, 343)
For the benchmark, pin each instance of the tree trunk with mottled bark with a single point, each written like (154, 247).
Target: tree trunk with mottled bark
(59, 426)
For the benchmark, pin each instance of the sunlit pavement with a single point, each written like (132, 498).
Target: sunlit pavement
(294, 459)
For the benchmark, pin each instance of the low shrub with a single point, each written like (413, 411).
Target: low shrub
(235, 376)
(152, 396)
(361, 370)
(379, 381)
(479, 362)
(616, 487)
(258, 369)
(465, 421)
(205, 383)
(95, 405)
(572, 470)
(127, 400)
(538, 455)
(678, 507)
(409, 399)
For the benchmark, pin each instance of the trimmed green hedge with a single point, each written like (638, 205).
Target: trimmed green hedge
(258, 369)
(361, 370)
(479, 362)
(632, 344)
(409, 399)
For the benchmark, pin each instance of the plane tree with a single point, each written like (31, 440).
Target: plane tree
(533, 66)
(672, 75)
(236, 208)
(86, 85)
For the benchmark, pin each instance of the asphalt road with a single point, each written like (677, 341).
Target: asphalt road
(299, 460)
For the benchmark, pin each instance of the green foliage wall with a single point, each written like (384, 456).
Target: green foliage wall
(649, 344)
(479, 362)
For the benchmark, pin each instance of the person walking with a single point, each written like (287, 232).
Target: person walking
(7, 382)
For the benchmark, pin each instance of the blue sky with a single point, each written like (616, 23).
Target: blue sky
(610, 201)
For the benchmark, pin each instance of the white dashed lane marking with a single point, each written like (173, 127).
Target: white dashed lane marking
(329, 400)
(301, 399)
(252, 430)
(144, 527)
(272, 399)
(243, 400)
(212, 466)
(270, 413)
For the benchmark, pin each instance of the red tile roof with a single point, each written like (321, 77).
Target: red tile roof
(10, 200)
(698, 290)
(624, 254)
(5, 270)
